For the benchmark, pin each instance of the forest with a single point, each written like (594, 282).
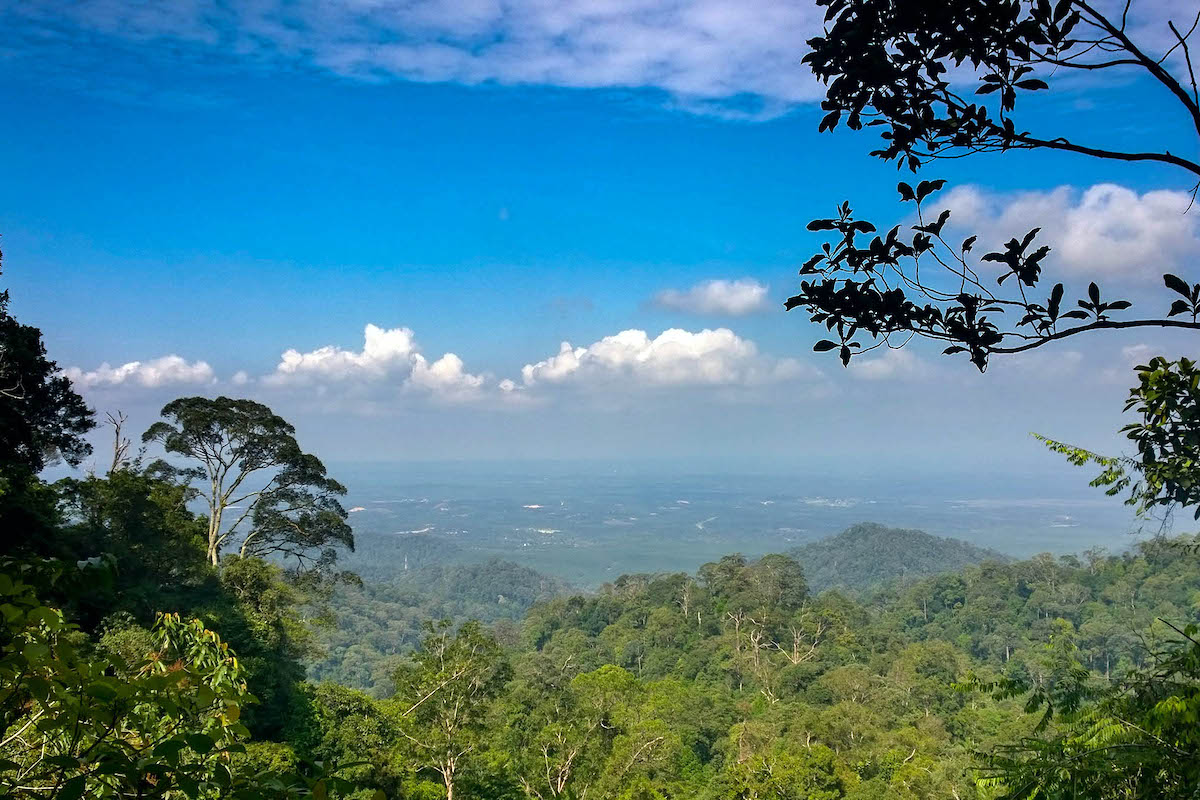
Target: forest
(739, 681)
(179, 622)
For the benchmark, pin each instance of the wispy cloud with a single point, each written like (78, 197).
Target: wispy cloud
(890, 364)
(709, 55)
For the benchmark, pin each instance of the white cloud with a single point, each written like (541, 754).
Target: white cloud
(384, 351)
(388, 357)
(743, 296)
(675, 357)
(699, 51)
(445, 376)
(900, 364)
(168, 370)
(1104, 230)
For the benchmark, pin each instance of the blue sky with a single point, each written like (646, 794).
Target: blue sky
(191, 190)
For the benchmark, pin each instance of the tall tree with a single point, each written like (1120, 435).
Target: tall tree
(906, 68)
(42, 419)
(249, 460)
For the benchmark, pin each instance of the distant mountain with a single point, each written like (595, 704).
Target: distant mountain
(870, 554)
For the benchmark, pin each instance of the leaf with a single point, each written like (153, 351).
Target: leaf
(169, 747)
(73, 789)
(1178, 284)
(200, 742)
(1094, 293)
(1056, 296)
(1033, 84)
(926, 188)
(102, 690)
(906, 191)
(823, 345)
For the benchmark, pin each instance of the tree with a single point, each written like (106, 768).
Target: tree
(1165, 474)
(142, 521)
(249, 459)
(41, 417)
(443, 694)
(75, 723)
(889, 64)
(42, 420)
(561, 732)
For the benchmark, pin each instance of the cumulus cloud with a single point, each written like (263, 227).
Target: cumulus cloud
(673, 358)
(702, 52)
(743, 296)
(389, 356)
(444, 376)
(1104, 230)
(166, 371)
(384, 351)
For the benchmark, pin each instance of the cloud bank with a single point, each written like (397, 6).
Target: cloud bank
(390, 365)
(733, 298)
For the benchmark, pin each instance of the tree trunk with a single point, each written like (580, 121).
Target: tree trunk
(214, 531)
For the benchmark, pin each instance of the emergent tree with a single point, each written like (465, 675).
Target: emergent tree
(249, 461)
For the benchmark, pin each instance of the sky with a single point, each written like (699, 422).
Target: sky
(539, 229)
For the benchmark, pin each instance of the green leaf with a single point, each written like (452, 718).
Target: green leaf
(102, 690)
(73, 789)
(200, 742)
(169, 747)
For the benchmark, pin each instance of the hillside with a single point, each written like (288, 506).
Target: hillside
(379, 621)
(869, 554)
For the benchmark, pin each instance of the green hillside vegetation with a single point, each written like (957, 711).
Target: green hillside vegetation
(870, 554)
(381, 620)
(377, 623)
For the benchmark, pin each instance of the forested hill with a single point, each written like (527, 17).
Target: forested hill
(870, 554)
(380, 622)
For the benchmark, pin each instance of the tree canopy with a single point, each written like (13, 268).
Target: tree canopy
(249, 460)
